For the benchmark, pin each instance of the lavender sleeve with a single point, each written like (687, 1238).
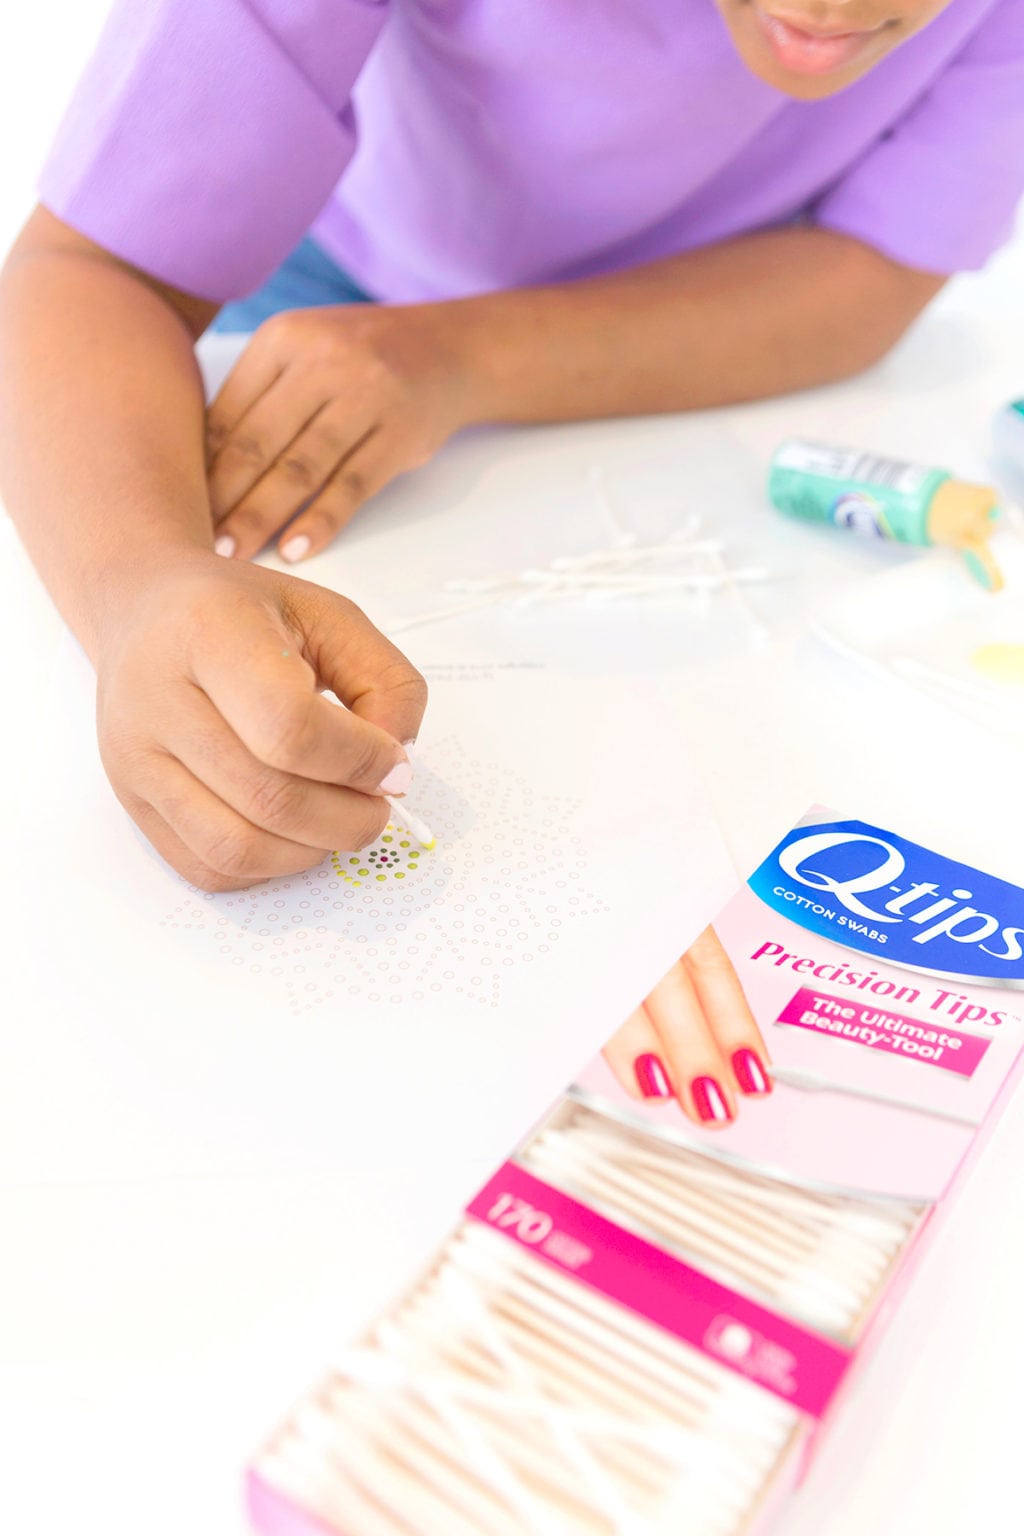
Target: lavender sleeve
(940, 192)
(205, 135)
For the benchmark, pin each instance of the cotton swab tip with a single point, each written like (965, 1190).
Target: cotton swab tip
(412, 823)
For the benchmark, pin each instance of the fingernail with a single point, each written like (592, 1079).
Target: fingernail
(651, 1077)
(294, 549)
(750, 1072)
(398, 781)
(710, 1101)
(225, 545)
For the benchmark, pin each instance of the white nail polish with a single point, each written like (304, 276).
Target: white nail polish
(398, 781)
(294, 549)
(225, 545)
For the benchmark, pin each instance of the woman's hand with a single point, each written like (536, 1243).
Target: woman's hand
(215, 735)
(694, 1039)
(323, 409)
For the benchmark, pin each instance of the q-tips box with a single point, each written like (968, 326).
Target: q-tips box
(645, 1318)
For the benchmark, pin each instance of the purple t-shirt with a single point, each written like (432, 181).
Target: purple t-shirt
(446, 147)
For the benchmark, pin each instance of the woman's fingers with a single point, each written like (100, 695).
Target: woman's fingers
(633, 1055)
(217, 735)
(695, 1038)
(724, 1004)
(260, 682)
(217, 838)
(301, 810)
(374, 461)
(359, 665)
(272, 439)
(703, 1083)
(171, 848)
(665, 1050)
(251, 376)
(301, 473)
(324, 407)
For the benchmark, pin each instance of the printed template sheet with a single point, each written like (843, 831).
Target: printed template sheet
(441, 997)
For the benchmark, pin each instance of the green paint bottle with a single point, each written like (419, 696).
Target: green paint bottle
(886, 499)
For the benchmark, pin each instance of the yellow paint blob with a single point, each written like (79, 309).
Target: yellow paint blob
(1002, 663)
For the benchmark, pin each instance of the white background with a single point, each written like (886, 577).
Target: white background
(151, 1331)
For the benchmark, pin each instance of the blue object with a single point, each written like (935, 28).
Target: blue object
(1008, 443)
(307, 279)
(878, 893)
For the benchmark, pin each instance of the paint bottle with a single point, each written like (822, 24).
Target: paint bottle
(887, 499)
(1008, 445)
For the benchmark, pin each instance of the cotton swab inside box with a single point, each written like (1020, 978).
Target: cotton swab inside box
(496, 1400)
(820, 1258)
(637, 1328)
(499, 1397)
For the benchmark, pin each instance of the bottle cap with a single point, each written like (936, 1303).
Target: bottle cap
(963, 516)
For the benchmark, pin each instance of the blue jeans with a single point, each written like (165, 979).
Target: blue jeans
(306, 279)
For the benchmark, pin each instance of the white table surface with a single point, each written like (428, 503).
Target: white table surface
(152, 1330)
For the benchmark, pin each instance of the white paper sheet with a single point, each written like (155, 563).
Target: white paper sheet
(319, 1021)
(924, 620)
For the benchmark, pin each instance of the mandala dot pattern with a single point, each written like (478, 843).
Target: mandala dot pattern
(397, 923)
(395, 856)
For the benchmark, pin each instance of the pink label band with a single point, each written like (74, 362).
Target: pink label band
(793, 1363)
(276, 1514)
(881, 1030)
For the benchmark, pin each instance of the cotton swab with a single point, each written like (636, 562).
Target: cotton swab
(502, 1397)
(823, 1260)
(573, 1414)
(827, 1303)
(681, 563)
(764, 1221)
(811, 1082)
(412, 823)
(879, 1221)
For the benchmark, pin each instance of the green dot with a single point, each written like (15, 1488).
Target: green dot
(364, 871)
(399, 874)
(382, 877)
(403, 845)
(353, 861)
(413, 866)
(387, 839)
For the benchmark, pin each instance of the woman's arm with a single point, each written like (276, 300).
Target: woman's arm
(212, 725)
(761, 315)
(327, 405)
(101, 411)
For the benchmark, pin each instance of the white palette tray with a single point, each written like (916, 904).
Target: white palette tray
(924, 621)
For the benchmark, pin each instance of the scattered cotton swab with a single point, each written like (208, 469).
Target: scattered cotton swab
(692, 567)
(683, 563)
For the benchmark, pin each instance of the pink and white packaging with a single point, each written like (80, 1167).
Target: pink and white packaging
(885, 980)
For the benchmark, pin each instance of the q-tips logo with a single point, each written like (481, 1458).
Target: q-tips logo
(872, 891)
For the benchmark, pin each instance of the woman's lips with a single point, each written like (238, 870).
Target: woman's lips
(809, 52)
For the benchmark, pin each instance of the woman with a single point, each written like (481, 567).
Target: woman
(565, 209)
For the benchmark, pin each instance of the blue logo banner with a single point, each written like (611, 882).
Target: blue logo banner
(877, 893)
